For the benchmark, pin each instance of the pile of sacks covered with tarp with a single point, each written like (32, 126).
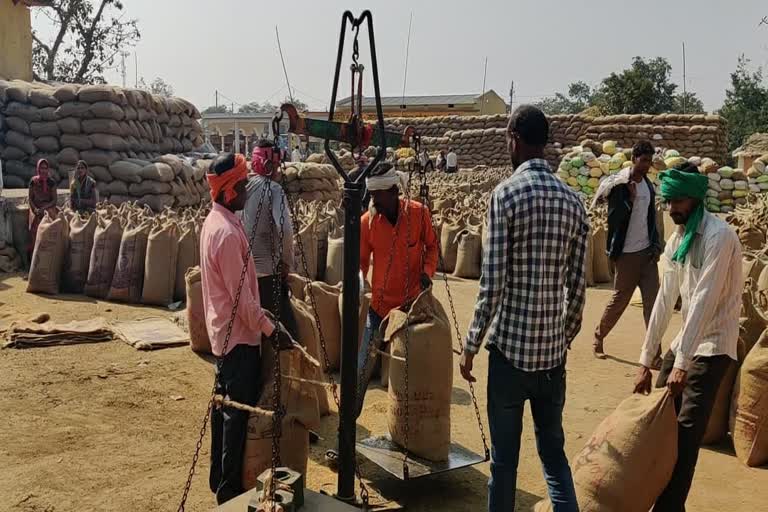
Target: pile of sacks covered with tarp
(100, 124)
(344, 156)
(166, 181)
(311, 181)
(126, 254)
(732, 187)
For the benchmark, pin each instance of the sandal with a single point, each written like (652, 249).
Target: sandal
(332, 457)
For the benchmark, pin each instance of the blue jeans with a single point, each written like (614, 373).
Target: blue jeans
(508, 389)
(371, 325)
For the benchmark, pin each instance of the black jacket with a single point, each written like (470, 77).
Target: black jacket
(619, 212)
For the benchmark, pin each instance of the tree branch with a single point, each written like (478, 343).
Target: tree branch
(88, 42)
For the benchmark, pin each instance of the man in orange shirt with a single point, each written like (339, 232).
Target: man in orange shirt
(398, 234)
(223, 254)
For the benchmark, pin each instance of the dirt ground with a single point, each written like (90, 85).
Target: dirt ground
(106, 427)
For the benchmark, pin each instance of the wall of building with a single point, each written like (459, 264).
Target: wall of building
(15, 41)
(491, 104)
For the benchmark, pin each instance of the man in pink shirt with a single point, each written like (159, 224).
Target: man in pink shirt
(223, 253)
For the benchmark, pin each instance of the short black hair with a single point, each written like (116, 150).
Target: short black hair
(264, 142)
(530, 124)
(381, 168)
(643, 148)
(223, 163)
(687, 167)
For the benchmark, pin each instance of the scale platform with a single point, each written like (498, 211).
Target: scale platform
(386, 454)
(313, 502)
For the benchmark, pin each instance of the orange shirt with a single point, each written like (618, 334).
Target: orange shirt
(413, 241)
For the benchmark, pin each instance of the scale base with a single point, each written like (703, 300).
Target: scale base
(313, 502)
(383, 452)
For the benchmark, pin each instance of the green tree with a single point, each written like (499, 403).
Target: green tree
(157, 86)
(88, 37)
(687, 103)
(220, 109)
(746, 104)
(644, 88)
(580, 96)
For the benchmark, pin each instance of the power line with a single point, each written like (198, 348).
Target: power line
(285, 71)
(407, 52)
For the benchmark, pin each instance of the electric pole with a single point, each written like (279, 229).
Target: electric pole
(217, 98)
(511, 95)
(123, 55)
(685, 92)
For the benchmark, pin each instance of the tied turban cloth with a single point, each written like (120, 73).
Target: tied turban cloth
(387, 180)
(226, 181)
(679, 185)
(261, 156)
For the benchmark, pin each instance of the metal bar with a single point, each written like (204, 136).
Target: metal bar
(377, 93)
(331, 156)
(349, 311)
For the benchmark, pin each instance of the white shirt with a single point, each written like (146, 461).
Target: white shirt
(451, 160)
(637, 231)
(710, 283)
(296, 156)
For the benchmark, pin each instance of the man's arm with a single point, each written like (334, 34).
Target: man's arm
(365, 244)
(720, 259)
(431, 254)
(663, 309)
(494, 272)
(230, 263)
(576, 282)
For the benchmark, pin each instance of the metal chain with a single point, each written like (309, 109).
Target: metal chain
(364, 495)
(407, 325)
(227, 336)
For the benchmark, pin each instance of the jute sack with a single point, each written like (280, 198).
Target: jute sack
(600, 263)
(309, 244)
(309, 336)
(427, 332)
(106, 247)
(629, 459)
(189, 256)
(589, 270)
(257, 456)
(128, 278)
(296, 285)
(48, 255)
(81, 233)
(327, 300)
(750, 423)
(334, 263)
(717, 426)
(198, 332)
(449, 245)
(160, 264)
(468, 254)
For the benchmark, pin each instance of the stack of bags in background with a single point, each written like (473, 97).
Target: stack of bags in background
(312, 181)
(99, 124)
(728, 187)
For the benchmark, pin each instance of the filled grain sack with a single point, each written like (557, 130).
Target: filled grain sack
(81, 233)
(48, 255)
(449, 245)
(160, 264)
(128, 278)
(308, 336)
(327, 300)
(334, 263)
(126, 171)
(309, 246)
(257, 456)
(629, 458)
(589, 270)
(158, 172)
(601, 264)
(426, 332)
(468, 254)
(198, 332)
(717, 426)
(189, 256)
(750, 414)
(106, 247)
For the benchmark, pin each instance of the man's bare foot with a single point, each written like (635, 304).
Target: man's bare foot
(597, 349)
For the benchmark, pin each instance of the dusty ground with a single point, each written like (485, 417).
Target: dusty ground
(101, 427)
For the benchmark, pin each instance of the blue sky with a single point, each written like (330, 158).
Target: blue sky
(199, 46)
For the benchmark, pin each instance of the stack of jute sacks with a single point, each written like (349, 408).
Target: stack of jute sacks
(99, 124)
(312, 181)
(126, 254)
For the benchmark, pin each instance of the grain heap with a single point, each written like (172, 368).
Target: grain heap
(729, 187)
(100, 124)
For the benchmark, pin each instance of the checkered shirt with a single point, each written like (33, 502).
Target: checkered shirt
(533, 286)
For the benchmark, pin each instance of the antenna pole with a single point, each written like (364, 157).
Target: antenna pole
(407, 52)
(685, 90)
(482, 100)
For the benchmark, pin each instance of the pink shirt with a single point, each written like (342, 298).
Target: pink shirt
(223, 252)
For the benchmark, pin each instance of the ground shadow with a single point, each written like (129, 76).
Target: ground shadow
(725, 446)
(622, 361)
(68, 297)
(460, 396)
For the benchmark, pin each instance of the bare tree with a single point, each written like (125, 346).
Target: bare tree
(157, 86)
(88, 37)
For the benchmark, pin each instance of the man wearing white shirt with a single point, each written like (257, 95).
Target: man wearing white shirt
(296, 155)
(702, 264)
(451, 161)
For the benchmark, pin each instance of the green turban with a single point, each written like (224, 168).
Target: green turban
(677, 184)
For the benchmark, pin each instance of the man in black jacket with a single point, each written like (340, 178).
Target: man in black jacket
(633, 241)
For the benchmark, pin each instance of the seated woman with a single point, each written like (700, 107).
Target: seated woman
(83, 195)
(42, 198)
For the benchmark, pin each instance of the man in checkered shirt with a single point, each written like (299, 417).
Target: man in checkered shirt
(530, 304)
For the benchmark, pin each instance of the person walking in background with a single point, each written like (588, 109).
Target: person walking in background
(42, 198)
(296, 155)
(441, 161)
(223, 253)
(274, 222)
(83, 195)
(634, 243)
(425, 161)
(530, 304)
(702, 263)
(451, 161)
